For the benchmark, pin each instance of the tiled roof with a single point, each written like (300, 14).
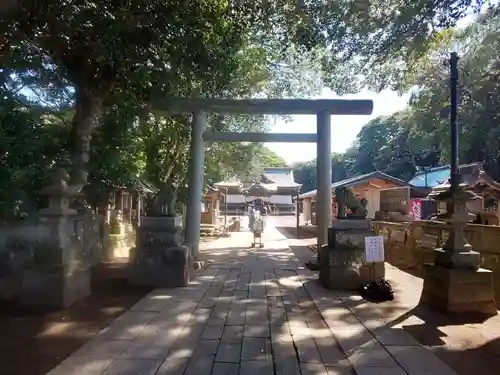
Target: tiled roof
(358, 180)
(280, 176)
(437, 176)
(230, 183)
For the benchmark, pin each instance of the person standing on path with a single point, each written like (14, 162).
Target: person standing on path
(263, 212)
(251, 216)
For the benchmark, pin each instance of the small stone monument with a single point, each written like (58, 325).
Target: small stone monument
(159, 258)
(394, 205)
(455, 282)
(59, 274)
(342, 264)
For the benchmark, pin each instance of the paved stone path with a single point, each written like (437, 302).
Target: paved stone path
(252, 311)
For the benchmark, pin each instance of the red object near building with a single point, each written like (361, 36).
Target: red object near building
(415, 209)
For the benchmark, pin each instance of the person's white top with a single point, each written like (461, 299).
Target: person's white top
(257, 223)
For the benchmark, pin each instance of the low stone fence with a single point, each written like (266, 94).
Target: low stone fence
(409, 245)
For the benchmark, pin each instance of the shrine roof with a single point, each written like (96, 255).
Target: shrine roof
(437, 176)
(476, 178)
(144, 186)
(134, 184)
(363, 179)
(230, 183)
(281, 176)
(260, 189)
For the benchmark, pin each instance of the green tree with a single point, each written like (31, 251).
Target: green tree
(112, 51)
(268, 158)
(306, 173)
(136, 50)
(418, 137)
(30, 142)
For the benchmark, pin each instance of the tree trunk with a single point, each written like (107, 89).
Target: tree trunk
(88, 111)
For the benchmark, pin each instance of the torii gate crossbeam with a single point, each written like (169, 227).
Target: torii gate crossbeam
(323, 109)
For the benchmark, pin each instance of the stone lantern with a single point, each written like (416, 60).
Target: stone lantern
(455, 283)
(457, 252)
(59, 274)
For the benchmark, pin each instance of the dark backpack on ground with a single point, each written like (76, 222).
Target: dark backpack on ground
(377, 291)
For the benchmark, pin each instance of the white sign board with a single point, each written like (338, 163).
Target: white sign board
(374, 249)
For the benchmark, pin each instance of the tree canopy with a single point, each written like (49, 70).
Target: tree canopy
(418, 137)
(78, 77)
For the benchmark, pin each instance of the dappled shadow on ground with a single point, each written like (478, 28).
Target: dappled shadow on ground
(466, 344)
(263, 307)
(34, 341)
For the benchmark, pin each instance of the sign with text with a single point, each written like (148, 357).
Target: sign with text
(374, 249)
(395, 200)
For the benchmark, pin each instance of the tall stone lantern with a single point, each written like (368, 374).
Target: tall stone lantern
(455, 283)
(59, 274)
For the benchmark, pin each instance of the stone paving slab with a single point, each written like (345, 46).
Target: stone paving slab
(252, 311)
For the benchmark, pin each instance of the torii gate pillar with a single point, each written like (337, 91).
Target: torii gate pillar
(196, 172)
(324, 177)
(323, 109)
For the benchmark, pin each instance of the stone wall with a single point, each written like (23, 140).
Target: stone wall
(409, 245)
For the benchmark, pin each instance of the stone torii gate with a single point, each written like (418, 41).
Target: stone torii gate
(323, 109)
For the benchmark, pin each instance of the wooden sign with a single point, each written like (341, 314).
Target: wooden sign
(395, 200)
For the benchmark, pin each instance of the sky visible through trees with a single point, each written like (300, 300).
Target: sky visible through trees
(95, 68)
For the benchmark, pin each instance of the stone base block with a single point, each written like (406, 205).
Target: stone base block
(162, 268)
(160, 232)
(342, 262)
(459, 291)
(337, 274)
(55, 287)
(162, 222)
(351, 224)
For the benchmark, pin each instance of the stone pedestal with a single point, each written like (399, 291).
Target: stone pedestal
(459, 291)
(342, 263)
(158, 259)
(59, 273)
(455, 283)
(55, 286)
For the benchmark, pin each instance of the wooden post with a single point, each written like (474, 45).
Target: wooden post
(139, 208)
(122, 201)
(109, 207)
(225, 208)
(297, 212)
(130, 208)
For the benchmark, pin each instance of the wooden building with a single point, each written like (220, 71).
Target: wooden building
(278, 183)
(366, 186)
(211, 206)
